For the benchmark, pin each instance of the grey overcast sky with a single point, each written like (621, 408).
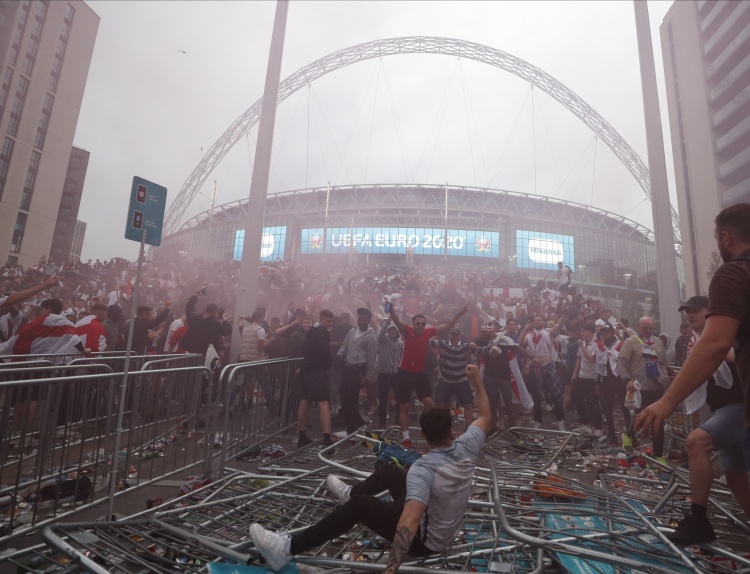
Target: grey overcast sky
(149, 108)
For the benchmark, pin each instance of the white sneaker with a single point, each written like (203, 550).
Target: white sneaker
(597, 433)
(561, 425)
(273, 546)
(338, 488)
(584, 431)
(536, 425)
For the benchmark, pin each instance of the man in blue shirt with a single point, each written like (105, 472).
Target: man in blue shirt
(428, 503)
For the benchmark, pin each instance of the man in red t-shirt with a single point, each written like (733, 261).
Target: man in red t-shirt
(411, 373)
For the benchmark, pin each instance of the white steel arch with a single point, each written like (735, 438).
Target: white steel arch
(413, 45)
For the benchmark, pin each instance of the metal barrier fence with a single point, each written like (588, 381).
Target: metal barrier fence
(59, 433)
(60, 427)
(114, 359)
(256, 401)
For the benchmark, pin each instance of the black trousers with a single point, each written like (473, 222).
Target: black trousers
(351, 383)
(386, 382)
(587, 403)
(378, 515)
(613, 391)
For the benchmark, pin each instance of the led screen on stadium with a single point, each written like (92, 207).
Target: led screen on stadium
(537, 250)
(424, 241)
(272, 245)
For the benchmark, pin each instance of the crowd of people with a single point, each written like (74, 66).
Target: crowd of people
(445, 335)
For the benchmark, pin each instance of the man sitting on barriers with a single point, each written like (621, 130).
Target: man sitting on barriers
(428, 503)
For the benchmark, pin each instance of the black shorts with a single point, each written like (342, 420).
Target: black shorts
(409, 381)
(316, 386)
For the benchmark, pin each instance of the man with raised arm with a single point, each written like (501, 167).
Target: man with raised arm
(20, 296)
(412, 376)
(428, 503)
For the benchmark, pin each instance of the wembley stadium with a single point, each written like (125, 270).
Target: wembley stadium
(408, 223)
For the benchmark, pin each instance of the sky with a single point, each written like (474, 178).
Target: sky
(168, 78)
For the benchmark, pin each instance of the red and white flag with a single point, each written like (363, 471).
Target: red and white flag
(46, 335)
(92, 333)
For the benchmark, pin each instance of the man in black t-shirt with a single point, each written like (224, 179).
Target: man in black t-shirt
(316, 379)
(723, 432)
(497, 379)
(728, 320)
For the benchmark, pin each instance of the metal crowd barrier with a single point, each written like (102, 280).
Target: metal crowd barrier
(252, 402)
(60, 426)
(114, 359)
(59, 430)
(519, 518)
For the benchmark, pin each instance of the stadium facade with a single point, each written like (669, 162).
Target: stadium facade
(399, 222)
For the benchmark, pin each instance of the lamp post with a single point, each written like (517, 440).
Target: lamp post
(668, 286)
(446, 221)
(325, 223)
(247, 287)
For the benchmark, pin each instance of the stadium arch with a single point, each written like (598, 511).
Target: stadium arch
(414, 45)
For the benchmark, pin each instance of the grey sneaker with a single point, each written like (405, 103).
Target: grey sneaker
(338, 488)
(273, 546)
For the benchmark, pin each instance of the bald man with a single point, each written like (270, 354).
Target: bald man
(643, 358)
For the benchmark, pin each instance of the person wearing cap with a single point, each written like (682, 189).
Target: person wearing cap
(723, 432)
(727, 320)
(112, 326)
(390, 350)
(358, 353)
(454, 354)
(91, 331)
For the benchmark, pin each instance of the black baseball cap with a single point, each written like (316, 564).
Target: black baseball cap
(607, 327)
(364, 311)
(697, 302)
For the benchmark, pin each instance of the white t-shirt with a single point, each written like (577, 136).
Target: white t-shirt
(588, 370)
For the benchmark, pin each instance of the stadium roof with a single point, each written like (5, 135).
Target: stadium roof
(404, 204)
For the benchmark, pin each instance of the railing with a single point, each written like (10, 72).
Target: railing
(59, 428)
(257, 401)
(59, 434)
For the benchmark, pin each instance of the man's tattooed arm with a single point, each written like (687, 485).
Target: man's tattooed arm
(406, 529)
(401, 545)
